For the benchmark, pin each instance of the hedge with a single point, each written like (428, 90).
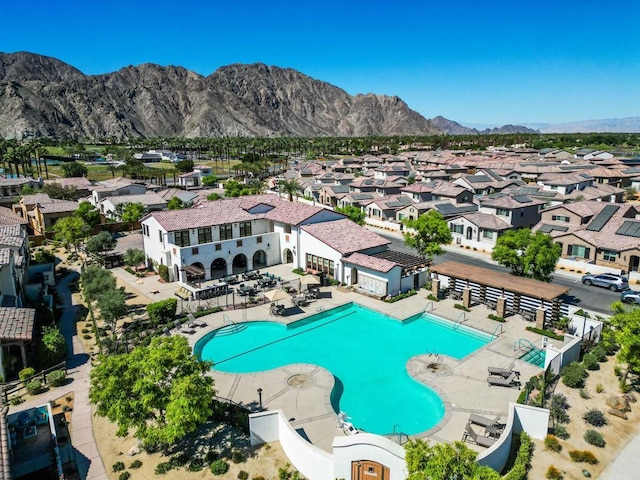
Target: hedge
(546, 333)
(522, 462)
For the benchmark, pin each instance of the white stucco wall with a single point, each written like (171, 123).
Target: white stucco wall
(366, 446)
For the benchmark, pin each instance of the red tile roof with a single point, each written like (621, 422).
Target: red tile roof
(345, 236)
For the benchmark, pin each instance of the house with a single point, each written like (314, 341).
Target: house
(330, 194)
(194, 179)
(384, 172)
(158, 156)
(187, 198)
(151, 201)
(11, 188)
(384, 208)
(484, 182)
(82, 185)
(564, 183)
(357, 199)
(14, 258)
(595, 232)
(42, 212)
(115, 187)
(437, 190)
(477, 230)
(368, 185)
(590, 154)
(447, 209)
(519, 211)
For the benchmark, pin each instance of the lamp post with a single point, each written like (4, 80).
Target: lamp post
(260, 397)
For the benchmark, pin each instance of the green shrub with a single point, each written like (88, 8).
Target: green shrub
(522, 397)
(594, 438)
(237, 457)
(124, 476)
(595, 417)
(553, 473)
(584, 393)
(196, 465)
(460, 306)
(211, 456)
(496, 318)
(56, 378)
(34, 387)
(617, 370)
(298, 271)
(16, 400)
(600, 353)
(52, 348)
(118, 467)
(258, 478)
(242, 475)
(522, 463)
(135, 464)
(546, 333)
(26, 373)
(400, 296)
(583, 456)
(599, 388)
(163, 311)
(590, 361)
(163, 271)
(162, 468)
(219, 467)
(179, 461)
(574, 375)
(560, 431)
(551, 443)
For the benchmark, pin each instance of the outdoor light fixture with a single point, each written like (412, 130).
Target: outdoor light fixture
(260, 397)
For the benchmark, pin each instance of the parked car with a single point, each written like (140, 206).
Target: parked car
(630, 296)
(615, 283)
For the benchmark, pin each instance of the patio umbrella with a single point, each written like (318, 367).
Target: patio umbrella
(276, 294)
(309, 280)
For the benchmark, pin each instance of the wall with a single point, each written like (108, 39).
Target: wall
(366, 446)
(310, 461)
(382, 224)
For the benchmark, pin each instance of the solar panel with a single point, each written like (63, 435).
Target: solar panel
(478, 178)
(521, 199)
(629, 229)
(602, 218)
(546, 228)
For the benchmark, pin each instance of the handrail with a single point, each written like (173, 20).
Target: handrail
(518, 345)
(227, 321)
(458, 322)
(432, 307)
(499, 326)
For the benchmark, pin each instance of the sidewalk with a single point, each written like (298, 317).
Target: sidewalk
(89, 463)
(625, 463)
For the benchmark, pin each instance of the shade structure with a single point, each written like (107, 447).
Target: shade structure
(309, 280)
(276, 294)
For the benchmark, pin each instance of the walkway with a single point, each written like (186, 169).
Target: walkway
(89, 463)
(626, 462)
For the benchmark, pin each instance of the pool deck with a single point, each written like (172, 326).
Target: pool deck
(302, 391)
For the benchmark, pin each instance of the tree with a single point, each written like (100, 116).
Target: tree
(112, 306)
(430, 231)
(161, 391)
(629, 193)
(444, 461)
(71, 231)
(175, 204)
(100, 243)
(88, 213)
(131, 212)
(526, 254)
(209, 181)
(96, 280)
(134, 256)
(290, 187)
(74, 169)
(57, 191)
(185, 166)
(213, 196)
(354, 213)
(163, 311)
(52, 348)
(626, 323)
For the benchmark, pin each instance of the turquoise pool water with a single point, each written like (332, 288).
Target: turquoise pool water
(366, 352)
(534, 357)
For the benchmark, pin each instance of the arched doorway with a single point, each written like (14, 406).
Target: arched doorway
(176, 273)
(218, 268)
(259, 260)
(287, 255)
(469, 233)
(195, 273)
(368, 469)
(354, 276)
(239, 264)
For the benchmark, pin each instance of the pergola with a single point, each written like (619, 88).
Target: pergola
(520, 289)
(16, 328)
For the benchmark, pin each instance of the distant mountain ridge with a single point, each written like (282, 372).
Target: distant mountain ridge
(609, 125)
(454, 128)
(42, 96)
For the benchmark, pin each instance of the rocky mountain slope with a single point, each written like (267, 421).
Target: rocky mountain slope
(454, 128)
(42, 96)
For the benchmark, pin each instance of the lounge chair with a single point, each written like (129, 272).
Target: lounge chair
(188, 330)
(482, 421)
(502, 372)
(481, 440)
(511, 381)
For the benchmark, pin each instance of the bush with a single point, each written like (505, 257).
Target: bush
(400, 296)
(26, 373)
(583, 456)
(460, 306)
(237, 457)
(551, 443)
(496, 318)
(522, 463)
(196, 465)
(56, 378)
(584, 393)
(600, 353)
(118, 467)
(574, 375)
(599, 388)
(16, 401)
(162, 468)
(242, 475)
(560, 431)
(211, 456)
(124, 476)
(163, 311)
(553, 473)
(135, 464)
(163, 271)
(594, 438)
(590, 361)
(52, 348)
(34, 387)
(595, 417)
(546, 333)
(219, 467)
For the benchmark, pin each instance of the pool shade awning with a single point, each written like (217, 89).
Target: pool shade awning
(193, 271)
(509, 283)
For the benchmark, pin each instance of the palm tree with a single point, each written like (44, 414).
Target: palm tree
(290, 187)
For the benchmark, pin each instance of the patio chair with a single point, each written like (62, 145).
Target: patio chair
(504, 382)
(188, 330)
(470, 434)
(481, 421)
(502, 372)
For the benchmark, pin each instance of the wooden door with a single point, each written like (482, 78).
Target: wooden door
(368, 470)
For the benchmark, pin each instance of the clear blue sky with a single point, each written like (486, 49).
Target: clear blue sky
(489, 62)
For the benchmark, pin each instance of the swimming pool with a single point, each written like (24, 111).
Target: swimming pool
(365, 351)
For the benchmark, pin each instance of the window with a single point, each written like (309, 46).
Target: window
(160, 236)
(218, 247)
(287, 228)
(487, 234)
(194, 251)
(226, 232)
(259, 239)
(204, 235)
(145, 230)
(554, 187)
(502, 212)
(609, 256)
(320, 264)
(182, 238)
(456, 228)
(239, 243)
(245, 229)
(560, 218)
(578, 251)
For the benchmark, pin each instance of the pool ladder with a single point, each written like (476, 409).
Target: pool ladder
(427, 309)
(494, 334)
(461, 318)
(227, 321)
